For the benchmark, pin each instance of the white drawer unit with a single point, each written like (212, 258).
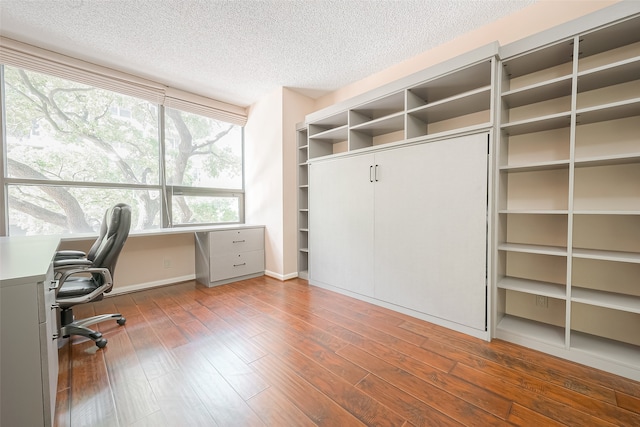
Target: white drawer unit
(228, 255)
(28, 331)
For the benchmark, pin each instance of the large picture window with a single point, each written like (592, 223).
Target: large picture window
(72, 150)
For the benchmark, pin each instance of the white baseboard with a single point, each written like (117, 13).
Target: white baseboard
(172, 280)
(148, 285)
(282, 277)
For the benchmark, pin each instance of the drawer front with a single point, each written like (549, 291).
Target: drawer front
(226, 242)
(236, 265)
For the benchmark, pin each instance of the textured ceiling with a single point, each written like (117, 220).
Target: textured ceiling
(237, 51)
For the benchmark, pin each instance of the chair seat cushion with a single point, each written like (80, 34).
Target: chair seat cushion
(75, 287)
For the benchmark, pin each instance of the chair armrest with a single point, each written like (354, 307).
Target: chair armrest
(69, 254)
(106, 285)
(62, 265)
(70, 262)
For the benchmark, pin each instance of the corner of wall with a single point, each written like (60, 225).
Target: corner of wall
(270, 174)
(263, 173)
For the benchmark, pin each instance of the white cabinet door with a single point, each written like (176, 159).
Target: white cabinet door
(341, 224)
(431, 229)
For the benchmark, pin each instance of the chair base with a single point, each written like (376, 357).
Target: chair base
(70, 326)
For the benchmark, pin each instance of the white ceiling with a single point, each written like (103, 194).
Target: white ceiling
(238, 51)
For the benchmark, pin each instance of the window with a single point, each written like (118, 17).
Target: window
(203, 154)
(72, 150)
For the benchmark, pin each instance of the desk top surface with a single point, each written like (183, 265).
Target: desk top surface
(25, 259)
(166, 231)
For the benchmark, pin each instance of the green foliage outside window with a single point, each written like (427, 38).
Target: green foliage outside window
(73, 150)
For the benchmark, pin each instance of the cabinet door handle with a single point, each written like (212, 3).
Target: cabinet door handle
(238, 241)
(371, 173)
(238, 265)
(54, 285)
(376, 174)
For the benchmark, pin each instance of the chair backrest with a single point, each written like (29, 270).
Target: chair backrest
(91, 255)
(113, 234)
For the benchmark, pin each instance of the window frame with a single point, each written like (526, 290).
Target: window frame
(165, 190)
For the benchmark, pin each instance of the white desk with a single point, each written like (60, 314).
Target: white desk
(28, 325)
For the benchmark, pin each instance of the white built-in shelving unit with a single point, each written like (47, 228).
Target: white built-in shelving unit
(446, 100)
(568, 198)
(303, 201)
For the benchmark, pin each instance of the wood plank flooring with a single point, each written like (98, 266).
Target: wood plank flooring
(264, 352)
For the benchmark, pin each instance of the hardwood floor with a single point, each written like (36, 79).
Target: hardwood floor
(265, 352)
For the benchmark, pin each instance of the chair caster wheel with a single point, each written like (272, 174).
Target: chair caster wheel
(121, 321)
(101, 343)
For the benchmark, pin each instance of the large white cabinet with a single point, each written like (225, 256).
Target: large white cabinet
(431, 229)
(397, 189)
(28, 331)
(406, 227)
(393, 193)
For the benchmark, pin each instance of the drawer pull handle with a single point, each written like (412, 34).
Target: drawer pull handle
(238, 265)
(238, 241)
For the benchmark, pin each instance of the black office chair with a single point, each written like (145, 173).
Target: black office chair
(86, 279)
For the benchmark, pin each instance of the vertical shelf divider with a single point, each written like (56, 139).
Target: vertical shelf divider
(572, 150)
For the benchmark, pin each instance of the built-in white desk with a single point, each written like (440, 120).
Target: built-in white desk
(190, 229)
(28, 328)
(224, 253)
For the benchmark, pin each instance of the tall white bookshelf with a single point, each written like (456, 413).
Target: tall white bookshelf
(568, 223)
(303, 201)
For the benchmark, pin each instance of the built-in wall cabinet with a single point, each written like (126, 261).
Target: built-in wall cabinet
(377, 232)
(568, 261)
(378, 177)
(562, 225)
